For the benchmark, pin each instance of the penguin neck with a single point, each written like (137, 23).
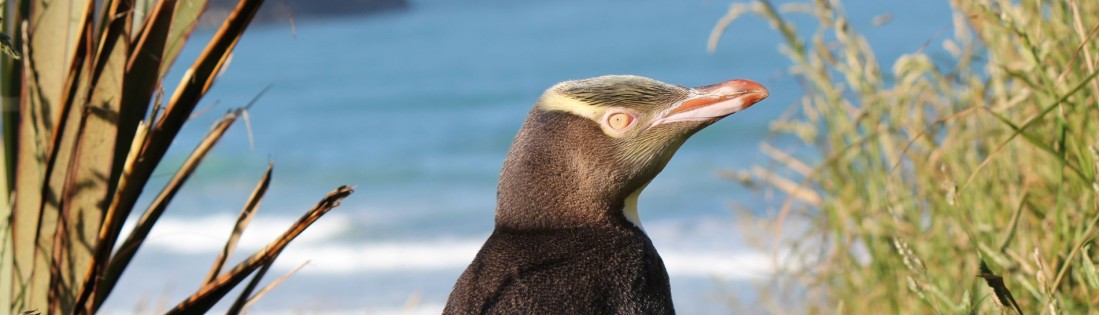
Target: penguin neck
(562, 178)
(556, 197)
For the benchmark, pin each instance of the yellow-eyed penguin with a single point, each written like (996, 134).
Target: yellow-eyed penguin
(567, 238)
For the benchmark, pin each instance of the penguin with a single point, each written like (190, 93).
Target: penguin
(567, 236)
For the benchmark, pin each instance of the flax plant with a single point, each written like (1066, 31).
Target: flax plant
(956, 183)
(84, 126)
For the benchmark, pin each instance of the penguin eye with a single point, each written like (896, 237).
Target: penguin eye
(619, 121)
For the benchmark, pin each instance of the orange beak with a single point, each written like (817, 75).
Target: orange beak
(714, 102)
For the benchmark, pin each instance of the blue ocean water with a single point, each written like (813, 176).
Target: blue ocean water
(417, 108)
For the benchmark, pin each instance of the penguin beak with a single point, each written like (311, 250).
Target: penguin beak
(713, 102)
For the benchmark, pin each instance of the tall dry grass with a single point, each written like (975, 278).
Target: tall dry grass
(942, 184)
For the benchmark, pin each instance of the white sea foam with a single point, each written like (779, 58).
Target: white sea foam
(728, 266)
(377, 257)
(185, 236)
(321, 246)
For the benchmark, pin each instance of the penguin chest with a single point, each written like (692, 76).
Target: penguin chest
(575, 271)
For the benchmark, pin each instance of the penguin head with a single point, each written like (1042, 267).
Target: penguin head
(602, 139)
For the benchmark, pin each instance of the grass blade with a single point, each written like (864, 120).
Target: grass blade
(193, 86)
(11, 86)
(1035, 141)
(1045, 111)
(160, 39)
(54, 32)
(57, 176)
(208, 295)
(243, 219)
(90, 180)
(187, 14)
(268, 288)
(136, 238)
(32, 147)
(6, 253)
(1090, 275)
(242, 299)
(141, 76)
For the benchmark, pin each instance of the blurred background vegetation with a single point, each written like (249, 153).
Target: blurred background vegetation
(960, 183)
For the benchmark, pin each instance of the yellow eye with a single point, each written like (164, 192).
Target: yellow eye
(619, 121)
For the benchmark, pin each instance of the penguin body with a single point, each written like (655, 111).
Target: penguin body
(568, 239)
(575, 271)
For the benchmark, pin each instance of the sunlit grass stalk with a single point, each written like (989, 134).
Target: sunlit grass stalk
(927, 170)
